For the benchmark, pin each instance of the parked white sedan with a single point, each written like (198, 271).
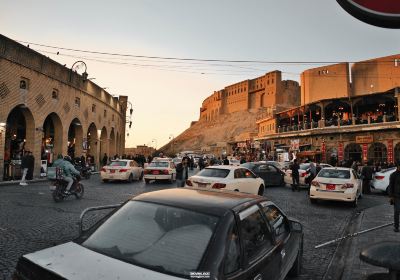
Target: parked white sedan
(336, 183)
(160, 170)
(380, 181)
(122, 169)
(227, 177)
(302, 173)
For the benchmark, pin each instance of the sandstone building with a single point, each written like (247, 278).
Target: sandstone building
(48, 109)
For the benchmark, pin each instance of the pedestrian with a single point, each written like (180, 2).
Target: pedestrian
(182, 172)
(31, 166)
(242, 160)
(295, 175)
(105, 159)
(394, 195)
(191, 162)
(366, 175)
(226, 161)
(354, 166)
(201, 163)
(24, 167)
(83, 161)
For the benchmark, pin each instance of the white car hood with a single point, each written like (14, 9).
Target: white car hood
(76, 262)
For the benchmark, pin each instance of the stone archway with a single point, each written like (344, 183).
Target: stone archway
(377, 152)
(92, 142)
(75, 139)
(19, 137)
(353, 152)
(112, 147)
(52, 140)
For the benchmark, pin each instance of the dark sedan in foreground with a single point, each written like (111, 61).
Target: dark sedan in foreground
(178, 234)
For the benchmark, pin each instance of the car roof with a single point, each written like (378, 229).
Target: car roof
(229, 167)
(121, 160)
(337, 168)
(214, 202)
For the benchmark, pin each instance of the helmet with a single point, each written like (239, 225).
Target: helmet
(68, 158)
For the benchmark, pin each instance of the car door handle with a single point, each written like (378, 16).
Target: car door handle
(258, 277)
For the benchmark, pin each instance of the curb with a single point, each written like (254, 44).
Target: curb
(11, 183)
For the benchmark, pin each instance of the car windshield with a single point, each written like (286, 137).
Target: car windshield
(334, 173)
(214, 172)
(155, 236)
(118, 163)
(159, 164)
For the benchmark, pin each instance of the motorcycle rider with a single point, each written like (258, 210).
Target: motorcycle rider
(69, 171)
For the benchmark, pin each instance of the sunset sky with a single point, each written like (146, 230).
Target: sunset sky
(167, 94)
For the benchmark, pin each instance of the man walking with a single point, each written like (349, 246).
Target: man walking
(295, 175)
(394, 195)
(182, 172)
(105, 159)
(366, 175)
(24, 168)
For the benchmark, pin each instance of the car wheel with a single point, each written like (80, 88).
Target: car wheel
(146, 181)
(355, 202)
(236, 190)
(387, 190)
(105, 180)
(261, 190)
(360, 196)
(296, 268)
(130, 179)
(141, 176)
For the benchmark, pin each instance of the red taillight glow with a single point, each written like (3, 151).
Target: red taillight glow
(315, 183)
(123, 170)
(218, 186)
(379, 177)
(189, 183)
(303, 174)
(103, 170)
(347, 186)
(147, 171)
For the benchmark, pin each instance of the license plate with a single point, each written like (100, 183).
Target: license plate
(111, 177)
(112, 171)
(156, 172)
(330, 187)
(201, 185)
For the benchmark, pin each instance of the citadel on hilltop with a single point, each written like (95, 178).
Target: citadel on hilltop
(267, 92)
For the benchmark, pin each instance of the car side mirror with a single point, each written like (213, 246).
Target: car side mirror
(296, 226)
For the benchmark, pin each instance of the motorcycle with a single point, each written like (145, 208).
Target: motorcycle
(85, 171)
(59, 186)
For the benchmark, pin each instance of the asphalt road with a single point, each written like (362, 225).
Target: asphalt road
(30, 220)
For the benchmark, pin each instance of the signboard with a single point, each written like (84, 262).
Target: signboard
(390, 151)
(382, 13)
(364, 152)
(364, 139)
(340, 151)
(295, 145)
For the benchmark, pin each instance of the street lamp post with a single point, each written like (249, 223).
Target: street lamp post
(77, 65)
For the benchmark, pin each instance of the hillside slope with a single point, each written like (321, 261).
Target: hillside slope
(205, 133)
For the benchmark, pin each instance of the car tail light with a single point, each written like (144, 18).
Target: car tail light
(315, 183)
(218, 186)
(347, 186)
(103, 170)
(379, 177)
(123, 170)
(166, 172)
(189, 183)
(146, 171)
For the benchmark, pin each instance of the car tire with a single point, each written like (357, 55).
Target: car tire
(313, 201)
(141, 176)
(146, 181)
(387, 190)
(105, 180)
(355, 202)
(360, 196)
(130, 178)
(261, 190)
(295, 270)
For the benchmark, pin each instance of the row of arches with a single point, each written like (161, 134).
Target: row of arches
(53, 136)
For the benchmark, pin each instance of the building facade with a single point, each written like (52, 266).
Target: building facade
(344, 115)
(268, 93)
(48, 109)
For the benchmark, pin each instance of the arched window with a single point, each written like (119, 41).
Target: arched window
(353, 152)
(377, 152)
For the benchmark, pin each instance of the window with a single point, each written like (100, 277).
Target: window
(54, 94)
(93, 108)
(24, 83)
(238, 174)
(277, 221)
(77, 102)
(248, 173)
(254, 233)
(105, 113)
(232, 258)
(112, 117)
